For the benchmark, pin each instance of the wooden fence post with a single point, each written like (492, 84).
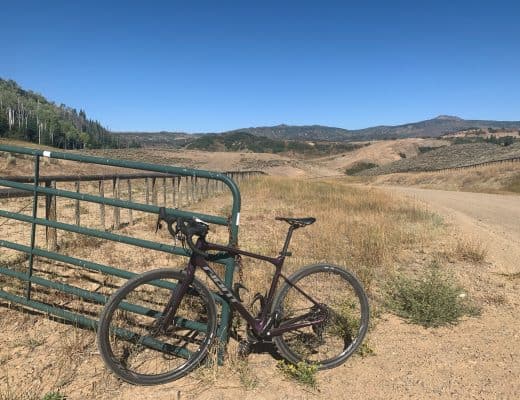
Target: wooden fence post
(130, 214)
(154, 191)
(101, 205)
(115, 192)
(187, 191)
(50, 214)
(174, 193)
(147, 184)
(76, 205)
(196, 188)
(164, 191)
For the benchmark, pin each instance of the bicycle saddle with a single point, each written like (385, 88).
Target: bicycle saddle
(297, 222)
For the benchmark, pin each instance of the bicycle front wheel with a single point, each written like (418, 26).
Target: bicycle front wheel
(329, 343)
(133, 340)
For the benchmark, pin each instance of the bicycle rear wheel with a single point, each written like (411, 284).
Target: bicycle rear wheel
(331, 342)
(129, 336)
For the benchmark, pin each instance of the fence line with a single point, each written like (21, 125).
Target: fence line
(195, 190)
(369, 172)
(509, 160)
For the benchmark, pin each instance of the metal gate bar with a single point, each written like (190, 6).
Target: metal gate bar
(229, 263)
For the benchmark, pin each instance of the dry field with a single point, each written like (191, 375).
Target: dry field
(373, 233)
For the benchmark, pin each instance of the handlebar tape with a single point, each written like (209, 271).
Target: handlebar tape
(188, 227)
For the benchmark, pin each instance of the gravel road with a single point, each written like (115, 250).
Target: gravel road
(493, 220)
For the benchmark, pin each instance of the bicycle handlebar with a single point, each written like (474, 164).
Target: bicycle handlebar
(187, 226)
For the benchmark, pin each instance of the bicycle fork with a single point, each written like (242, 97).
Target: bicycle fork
(175, 299)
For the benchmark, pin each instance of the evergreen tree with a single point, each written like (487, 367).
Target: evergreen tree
(29, 116)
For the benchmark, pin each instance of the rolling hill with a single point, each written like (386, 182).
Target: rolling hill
(244, 141)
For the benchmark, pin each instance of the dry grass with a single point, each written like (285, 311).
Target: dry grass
(513, 183)
(12, 391)
(362, 229)
(469, 250)
(494, 178)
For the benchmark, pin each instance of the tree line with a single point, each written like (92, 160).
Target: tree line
(29, 116)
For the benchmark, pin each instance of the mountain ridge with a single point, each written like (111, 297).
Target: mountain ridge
(435, 127)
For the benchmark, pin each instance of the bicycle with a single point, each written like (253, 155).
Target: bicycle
(161, 324)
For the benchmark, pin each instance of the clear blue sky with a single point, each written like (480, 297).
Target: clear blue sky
(212, 66)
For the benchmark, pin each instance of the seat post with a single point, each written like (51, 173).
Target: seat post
(287, 240)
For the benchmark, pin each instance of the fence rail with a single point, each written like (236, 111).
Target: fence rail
(374, 171)
(191, 191)
(482, 164)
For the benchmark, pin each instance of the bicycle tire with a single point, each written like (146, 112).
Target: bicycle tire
(129, 341)
(346, 324)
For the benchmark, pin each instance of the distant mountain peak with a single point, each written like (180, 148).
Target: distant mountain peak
(449, 117)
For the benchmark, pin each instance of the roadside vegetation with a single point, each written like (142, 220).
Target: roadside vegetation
(431, 299)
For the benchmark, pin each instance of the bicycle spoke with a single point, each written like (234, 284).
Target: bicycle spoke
(343, 311)
(140, 348)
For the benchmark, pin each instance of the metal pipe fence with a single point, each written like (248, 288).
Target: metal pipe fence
(173, 187)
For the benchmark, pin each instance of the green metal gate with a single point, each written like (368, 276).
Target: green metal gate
(33, 250)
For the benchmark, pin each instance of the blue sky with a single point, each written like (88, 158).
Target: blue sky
(213, 66)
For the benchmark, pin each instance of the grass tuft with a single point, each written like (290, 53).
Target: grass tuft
(54, 396)
(431, 300)
(302, 372)
(470, 251)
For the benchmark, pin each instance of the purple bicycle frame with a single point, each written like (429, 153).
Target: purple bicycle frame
(261, 326)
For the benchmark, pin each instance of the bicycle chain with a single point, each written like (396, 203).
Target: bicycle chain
(238, 263)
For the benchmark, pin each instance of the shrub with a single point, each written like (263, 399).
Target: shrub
(54, 396)
(431, 300)
(358, 167)
(425, 149)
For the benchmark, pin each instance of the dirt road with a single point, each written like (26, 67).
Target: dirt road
(493, 220)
